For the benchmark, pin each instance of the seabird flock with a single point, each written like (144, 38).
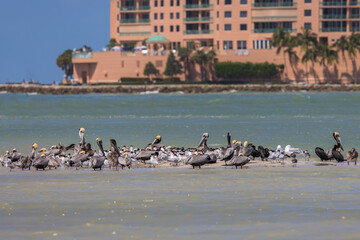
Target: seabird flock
(236, 154)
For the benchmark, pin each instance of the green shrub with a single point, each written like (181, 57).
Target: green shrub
(128, 80)
(240, 70)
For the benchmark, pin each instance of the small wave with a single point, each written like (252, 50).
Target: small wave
(149, 92)
(3, 92)
(32, 93)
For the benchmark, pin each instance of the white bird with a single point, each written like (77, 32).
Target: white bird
(289, 150)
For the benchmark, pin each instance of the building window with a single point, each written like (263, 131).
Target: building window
(217, 45)
(155, 29)
(161, 28)
(155, 3)
(171, 15)
(177, 28)
(177, 15)
(307, 25)
(218, 2)
(261, 44)
(307, 13)
(243, 27)
(161, 16)
(118, 30)
(227, 27)
(155, 16)
(243, 14)
(171, 3)
(227, 2)
(243, 2)
(118, 17)
(177, 2)
(307, 1)
(171, 28)
(217, 14)
(241, 44)
(118, 4)
(227, 14)
(161, 3)
(228, 45)
(217, 27)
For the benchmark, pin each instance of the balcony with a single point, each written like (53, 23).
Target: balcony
(130, 20)
(333, 3)
(144, 20)
(197, 32)
(354, 29)
(133, 8)
(272, 18)
(357, 15)
(197, 6)
(333, 29)
(197, 19)
(128, 8)
(76, 55)
(134, 33)
(342, 16)
(354, 3)
(275, 4)
(272, 30)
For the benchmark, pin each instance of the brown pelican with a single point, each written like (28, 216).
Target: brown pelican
(246, 150)
(352, 156)
(25, 162)
(41, 163)
(125, 161)
(80, 146)
(78, 159)
(156, 143)
(202, 145)
(15, 156)
(329, 155)
(229, 152)
(264, 152)
(9, 164)
(97, 161)
(238, 161)
(198, 160)
(145, 155)
(53, 163)
(114, 154)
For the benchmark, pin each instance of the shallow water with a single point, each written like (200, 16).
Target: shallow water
(257, 203)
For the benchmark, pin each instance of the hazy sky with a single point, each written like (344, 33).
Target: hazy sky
(35, 32)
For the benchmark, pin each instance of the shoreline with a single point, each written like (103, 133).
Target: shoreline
(174, 88)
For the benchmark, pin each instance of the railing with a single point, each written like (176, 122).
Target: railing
(196, 19)
(354, 15)
(82, 55)
(198, 31)
(128, 8)
(134, 33)
(274, 4)
(333, 3)
(144, 7)
(354, 29)
(273, 17)
(333, 29)
(133, 8)
(192, 6)
(342, 16)
(144, 20)
(130, 20)
(272, 30)
(354, 3)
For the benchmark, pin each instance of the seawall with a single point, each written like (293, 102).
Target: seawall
(184, 88)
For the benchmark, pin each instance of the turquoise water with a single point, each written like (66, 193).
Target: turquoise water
(216, 203)
(304, 120)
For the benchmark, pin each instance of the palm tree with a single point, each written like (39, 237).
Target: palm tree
(281, 40)
(293, 57)
(354, 45)
(327, 55)
(211, 62)
(307, 40)
(200, 58)
(184, 54)
(310, 55)
(342, 45)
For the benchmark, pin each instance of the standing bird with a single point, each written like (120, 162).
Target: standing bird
(264, 152)
(41, 163)
(80, 146)
(202, 145)
(15, 156)
(125, 160)
(352, 156)
(307, 155)
(156, 143)
(229, 152)
(329, 155)
(114, 155)
(97, 161)
(198, 160)
(239, 161)
(9, 164)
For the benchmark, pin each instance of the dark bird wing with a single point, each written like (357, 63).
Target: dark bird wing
(321, 154)
(338, 156)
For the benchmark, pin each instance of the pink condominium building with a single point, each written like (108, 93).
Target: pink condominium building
(239, 30)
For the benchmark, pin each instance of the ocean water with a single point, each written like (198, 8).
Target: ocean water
(304, 120)
(310, 202)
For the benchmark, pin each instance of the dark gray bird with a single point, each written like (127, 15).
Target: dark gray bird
(239, 161)
(114, 154)
(15, 155)
(97, 161)
(155, 145)
(329, 155)
(198, 160)
(229, 152)
(41, 163)
(352, 156)
(125, 161)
